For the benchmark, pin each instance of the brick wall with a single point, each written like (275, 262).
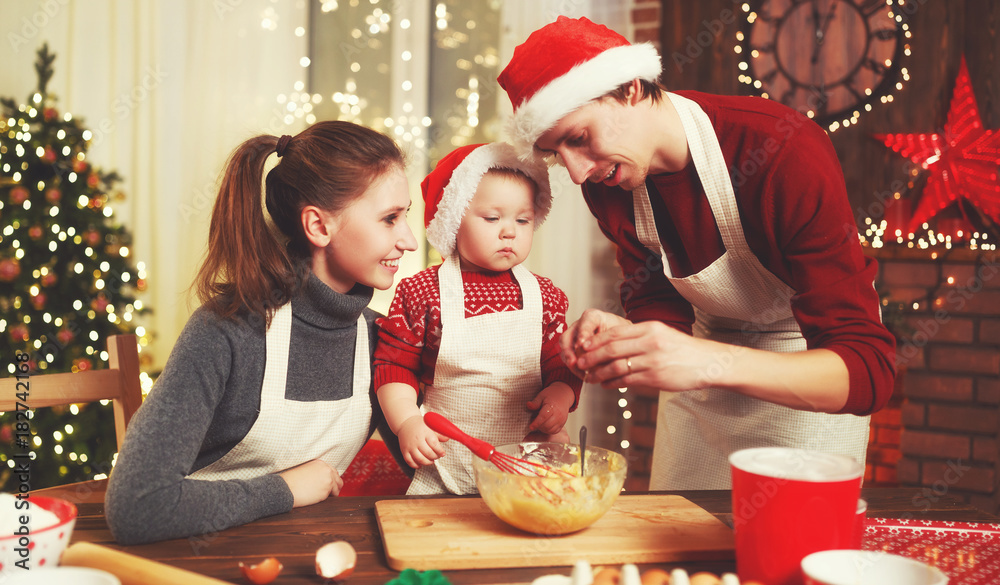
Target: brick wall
(949, 357)
(646, 21)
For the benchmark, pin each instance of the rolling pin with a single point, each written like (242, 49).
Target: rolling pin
(130, 569)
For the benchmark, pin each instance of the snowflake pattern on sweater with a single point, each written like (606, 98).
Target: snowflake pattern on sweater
(410, 335)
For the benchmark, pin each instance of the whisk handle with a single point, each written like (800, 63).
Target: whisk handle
(440, 424)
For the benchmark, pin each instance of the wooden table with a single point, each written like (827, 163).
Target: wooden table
(295, 536)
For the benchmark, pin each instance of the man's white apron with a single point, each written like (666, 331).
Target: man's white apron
(739, 302)
(288, 432)
(488, 367)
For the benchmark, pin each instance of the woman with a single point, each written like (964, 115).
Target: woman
(265, 398)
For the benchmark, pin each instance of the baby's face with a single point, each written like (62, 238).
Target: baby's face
(497, 229)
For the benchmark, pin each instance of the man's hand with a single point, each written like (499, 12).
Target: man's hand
(578, 336)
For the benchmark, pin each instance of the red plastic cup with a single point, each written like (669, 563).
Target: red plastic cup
(788, 503)
(860, 517)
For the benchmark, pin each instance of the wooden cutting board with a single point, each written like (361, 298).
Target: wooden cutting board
(462, 533)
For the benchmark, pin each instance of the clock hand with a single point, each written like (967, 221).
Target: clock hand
(821, 32)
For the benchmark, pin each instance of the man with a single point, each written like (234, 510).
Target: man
(746, 291)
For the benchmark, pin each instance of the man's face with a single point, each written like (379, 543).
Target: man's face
(605, 141)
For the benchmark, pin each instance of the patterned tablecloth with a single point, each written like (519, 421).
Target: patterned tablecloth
(969, 553)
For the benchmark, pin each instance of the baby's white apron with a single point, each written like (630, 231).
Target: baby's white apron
(289, 432)
(488, 367)
(739, 302)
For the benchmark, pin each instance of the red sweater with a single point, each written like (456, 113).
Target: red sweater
(797, 220)
(410, 335)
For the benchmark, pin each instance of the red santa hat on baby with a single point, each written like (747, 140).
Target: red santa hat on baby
(564, 65)
(449, 188)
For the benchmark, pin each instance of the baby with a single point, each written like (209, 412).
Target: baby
(479, 332)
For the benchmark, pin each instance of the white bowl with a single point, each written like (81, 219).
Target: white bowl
(864, 567)
(63, 576)
(44, 546)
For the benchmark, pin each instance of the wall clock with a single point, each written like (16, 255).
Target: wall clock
(830, 59)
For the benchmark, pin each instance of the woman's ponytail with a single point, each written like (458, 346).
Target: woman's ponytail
(245, 267)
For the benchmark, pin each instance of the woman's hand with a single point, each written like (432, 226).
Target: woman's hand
(578, 336)
(312, 482)
(419, 444)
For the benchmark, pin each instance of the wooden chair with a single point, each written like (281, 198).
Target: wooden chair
(119, 383)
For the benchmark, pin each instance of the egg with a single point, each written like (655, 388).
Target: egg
(263, 572)
(336, 560)
(704, 578)
(656, 577)
(607, 576)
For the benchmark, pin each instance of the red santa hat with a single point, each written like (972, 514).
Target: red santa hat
(449, 188)
(564, 65)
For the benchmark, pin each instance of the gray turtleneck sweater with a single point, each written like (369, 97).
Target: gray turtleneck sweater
(205, 402)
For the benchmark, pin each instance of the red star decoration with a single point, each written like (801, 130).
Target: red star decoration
(962, 162)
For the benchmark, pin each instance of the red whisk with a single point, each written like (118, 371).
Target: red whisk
(487, 452)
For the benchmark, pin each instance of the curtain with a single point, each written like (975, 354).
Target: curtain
(169, 88)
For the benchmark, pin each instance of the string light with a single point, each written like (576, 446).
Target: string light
(766, 63)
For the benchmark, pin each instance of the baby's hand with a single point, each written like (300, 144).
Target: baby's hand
(419, 444)
(553, 404)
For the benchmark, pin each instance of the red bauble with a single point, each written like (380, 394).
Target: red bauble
(53, 195)
(65, 336)
(79, 166)
(50, 114)
(92, 237)
(19, 333)
(93, 180)
(10, 268)
(49, 155)
(19, 195)
(35, 232)
(100, 304)
(82, 364)
(962, 162)
(38, 301)
(48, 279)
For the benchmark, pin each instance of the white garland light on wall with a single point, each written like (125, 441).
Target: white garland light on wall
(829, 59)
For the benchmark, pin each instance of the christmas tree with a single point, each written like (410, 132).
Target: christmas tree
(66, 277)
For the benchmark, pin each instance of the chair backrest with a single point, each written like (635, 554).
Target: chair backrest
(119, 383)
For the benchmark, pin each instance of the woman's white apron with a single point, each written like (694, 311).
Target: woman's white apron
(289, 432)
(739, 302)
(488, 367)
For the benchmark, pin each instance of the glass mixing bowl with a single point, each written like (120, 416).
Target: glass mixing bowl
(557, 503)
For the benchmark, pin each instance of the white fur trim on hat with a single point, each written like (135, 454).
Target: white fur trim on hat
(442, 231)
(584, 82)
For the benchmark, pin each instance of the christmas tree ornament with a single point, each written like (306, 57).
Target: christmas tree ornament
(18, 195)
(961, 161)
(53, 266)
(10, 268)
